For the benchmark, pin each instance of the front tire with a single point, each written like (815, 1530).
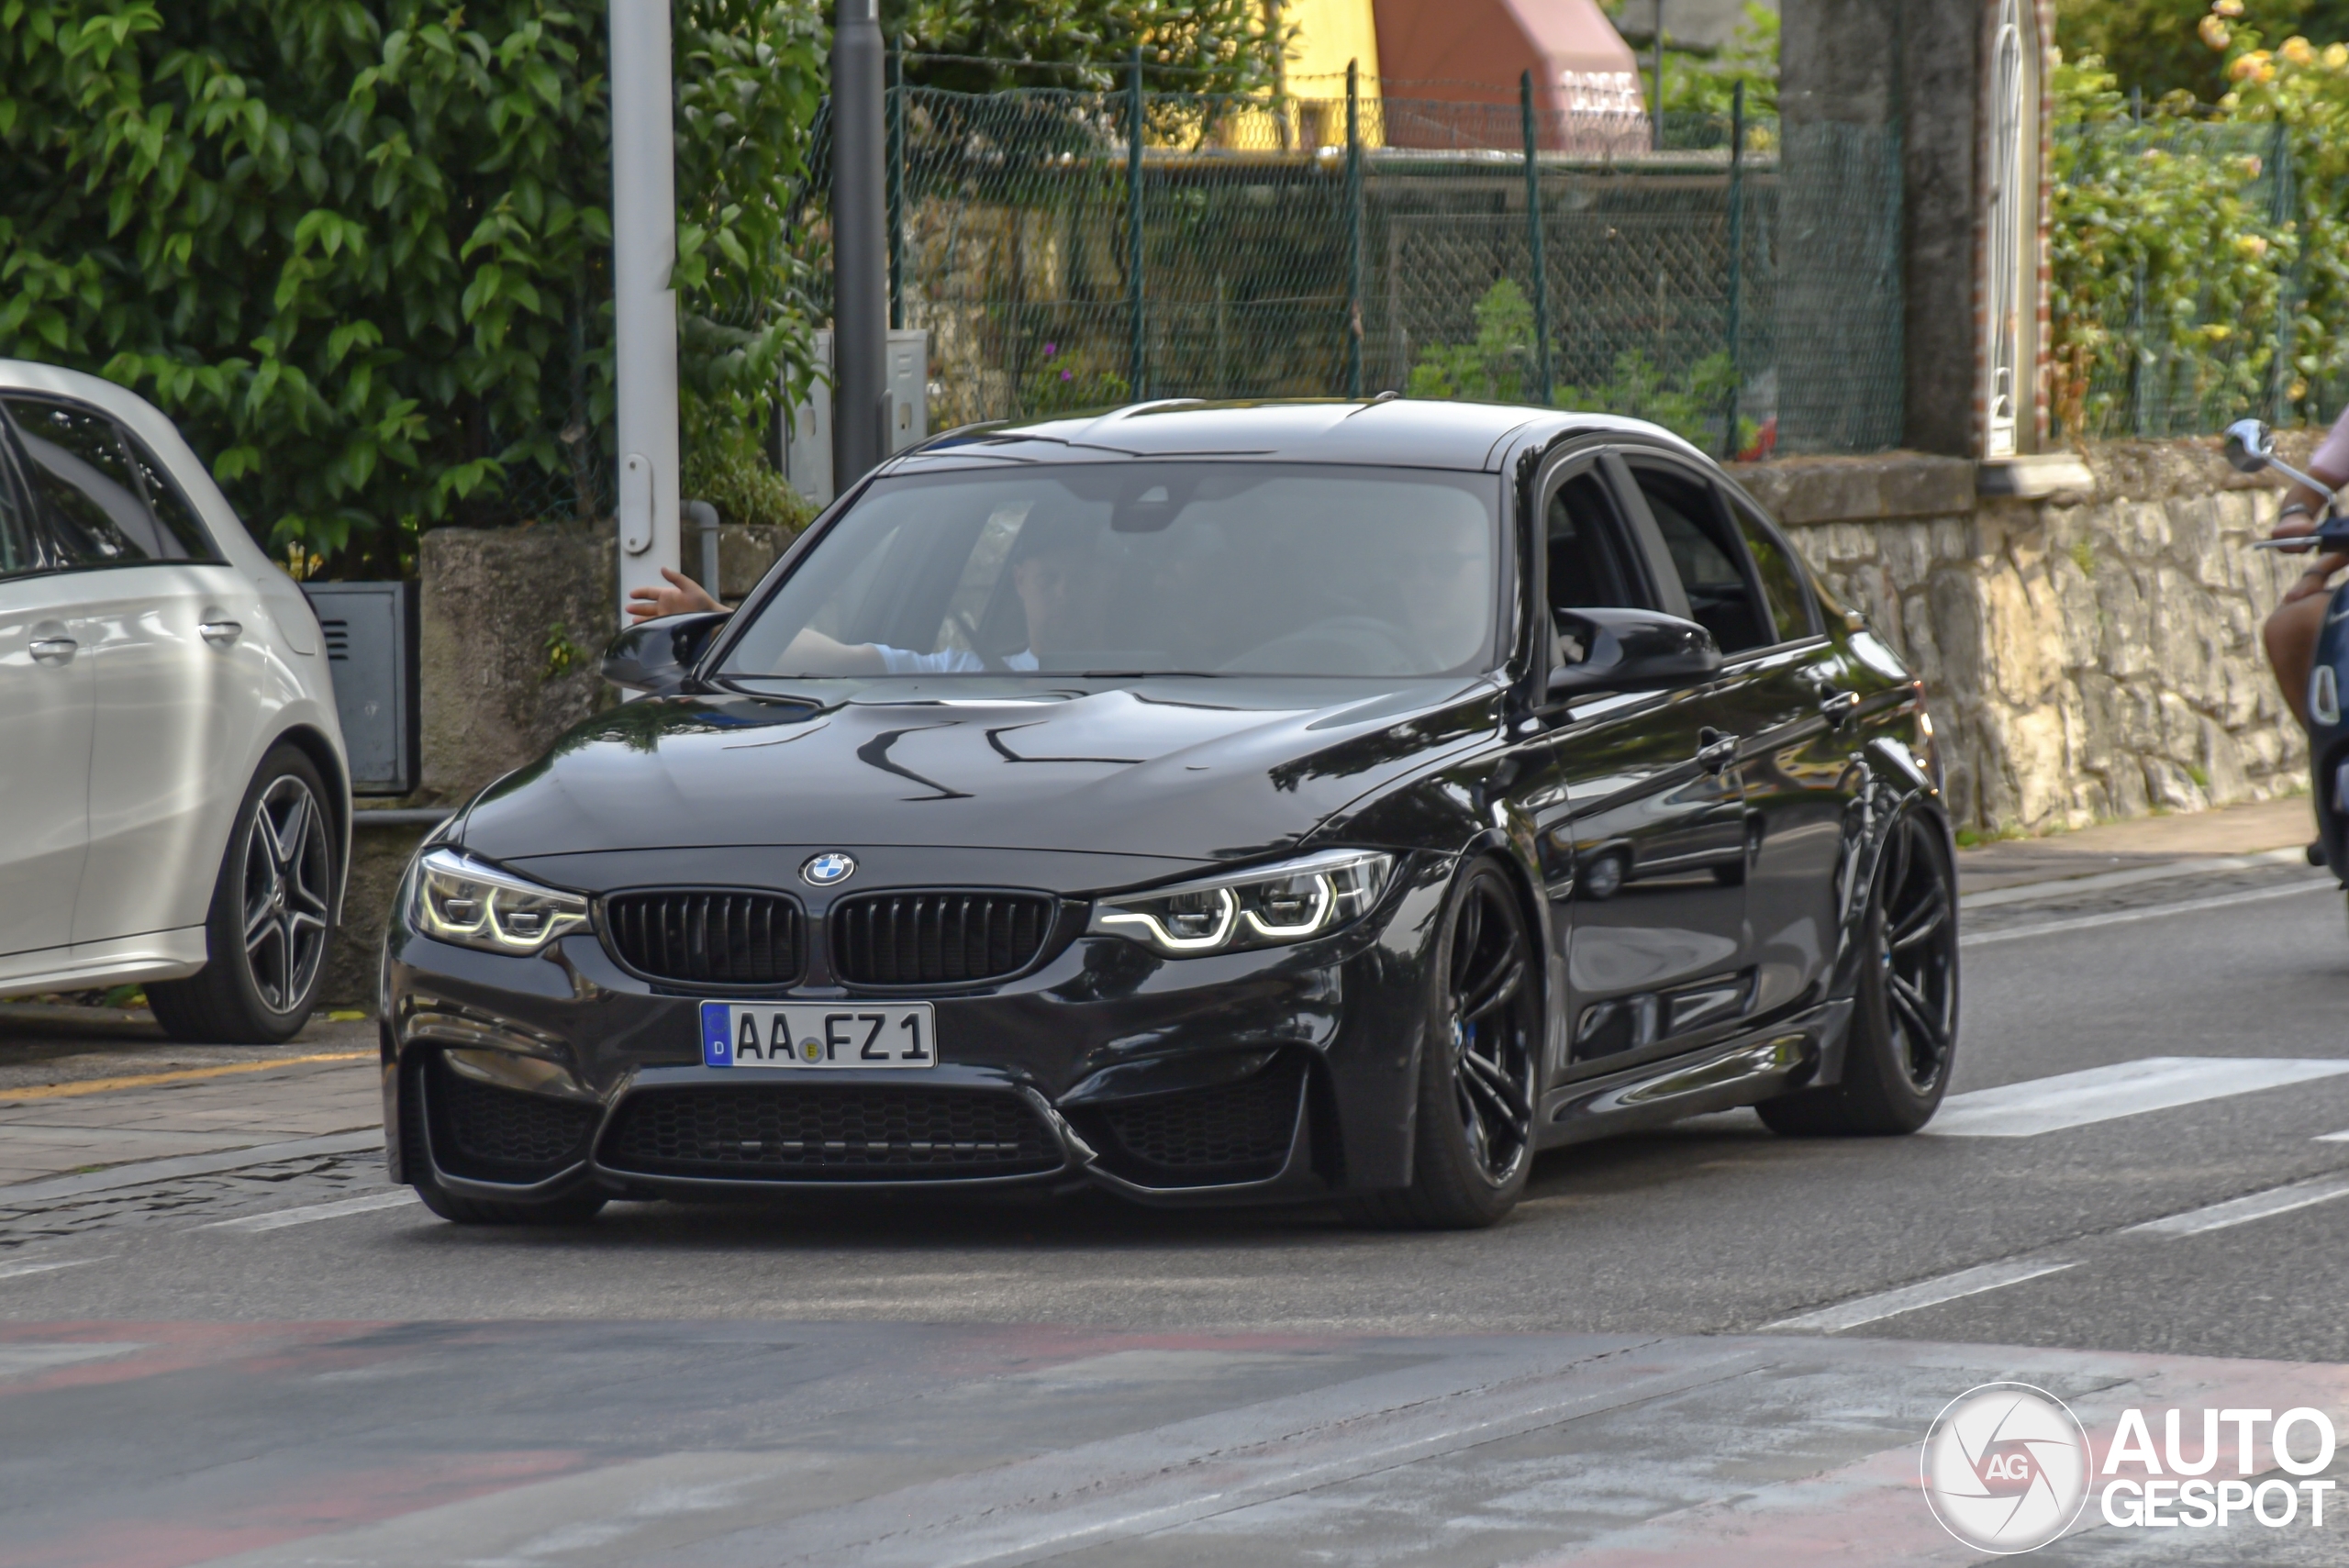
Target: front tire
(1904, 1011)
(271, 920)
(1480, 1066)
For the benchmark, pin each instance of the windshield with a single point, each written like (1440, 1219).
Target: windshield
(1142, 569)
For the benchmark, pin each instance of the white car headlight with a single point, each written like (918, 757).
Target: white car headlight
(1264, 908)
(464, 901)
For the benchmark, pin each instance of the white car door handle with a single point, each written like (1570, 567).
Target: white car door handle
(220, 633)
(54, 649)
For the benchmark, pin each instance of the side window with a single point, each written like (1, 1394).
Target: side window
(172, 511)
(17, 553)
(1722, 597)
(1587, 566)
(97, 512)
(1785, 588)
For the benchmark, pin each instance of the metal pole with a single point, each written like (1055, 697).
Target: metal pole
(1353, 228)
(1138, 364)
(1736, 259)
(1533, 236)
(897, 189)
(859, 247)
(1659, 75)
(644, 307)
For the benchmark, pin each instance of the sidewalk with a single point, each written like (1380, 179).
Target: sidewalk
(77, 1095)
(2142, 844)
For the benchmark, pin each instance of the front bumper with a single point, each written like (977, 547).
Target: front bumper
(1256, 1077)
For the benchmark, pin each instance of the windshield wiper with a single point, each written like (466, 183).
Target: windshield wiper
(1133, 674)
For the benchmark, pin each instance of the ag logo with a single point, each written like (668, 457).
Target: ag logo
(822, 870)
(2006, 1468)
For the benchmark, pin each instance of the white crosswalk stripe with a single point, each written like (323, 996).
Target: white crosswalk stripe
(2124, 1088)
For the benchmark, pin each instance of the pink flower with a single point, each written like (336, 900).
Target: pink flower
(1068, 375)
(1051, 348)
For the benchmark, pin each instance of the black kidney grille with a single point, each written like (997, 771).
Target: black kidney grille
(706, 938)
(828, 1133)
(935, 938)
(494, 1133)
(1231, 1132)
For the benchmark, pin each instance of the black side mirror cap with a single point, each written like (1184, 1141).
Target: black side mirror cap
(655, 656)
(1629, 651)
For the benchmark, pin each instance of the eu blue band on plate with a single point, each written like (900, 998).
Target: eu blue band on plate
(717, 1035)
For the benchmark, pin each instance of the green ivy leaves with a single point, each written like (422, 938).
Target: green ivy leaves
(360, 249)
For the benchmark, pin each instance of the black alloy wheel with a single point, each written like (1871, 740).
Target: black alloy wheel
(1904, 1019)
(1480, 1064)
(271, 920)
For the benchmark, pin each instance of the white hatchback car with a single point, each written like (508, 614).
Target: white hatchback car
(174, 803)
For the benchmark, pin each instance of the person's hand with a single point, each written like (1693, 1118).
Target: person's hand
(2312, 582)
(681, 595)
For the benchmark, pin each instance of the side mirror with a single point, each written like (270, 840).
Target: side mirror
(2250, 446)
(654, 656)
(1629, 651)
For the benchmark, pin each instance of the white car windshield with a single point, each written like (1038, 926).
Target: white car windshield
(1142, 569)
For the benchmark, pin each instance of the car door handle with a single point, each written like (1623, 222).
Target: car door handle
(1839, 705)
(1715, 751)
(54, 649)
(220, 633)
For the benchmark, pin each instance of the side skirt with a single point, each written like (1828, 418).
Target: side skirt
(1805, 1049)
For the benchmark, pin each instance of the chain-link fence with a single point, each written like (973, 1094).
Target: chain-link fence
(1737, 284)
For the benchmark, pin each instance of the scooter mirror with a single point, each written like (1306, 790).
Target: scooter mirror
(2249, 446)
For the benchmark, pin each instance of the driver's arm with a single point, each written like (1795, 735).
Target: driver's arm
(678, 596)
(813, 653)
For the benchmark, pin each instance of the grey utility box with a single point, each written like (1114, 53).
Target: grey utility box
(371, 633)
(807, 427)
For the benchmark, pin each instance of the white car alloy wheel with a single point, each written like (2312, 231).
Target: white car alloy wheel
(272, 916)
(287, 877)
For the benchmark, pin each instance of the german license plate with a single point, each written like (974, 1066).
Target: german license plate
(800, 1038)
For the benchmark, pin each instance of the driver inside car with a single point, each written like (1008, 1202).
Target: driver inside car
(1060, 573)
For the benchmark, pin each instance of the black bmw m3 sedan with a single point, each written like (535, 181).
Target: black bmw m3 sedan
(1210, 802)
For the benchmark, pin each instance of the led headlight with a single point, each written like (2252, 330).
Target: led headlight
(1264, 908)
(460, 900)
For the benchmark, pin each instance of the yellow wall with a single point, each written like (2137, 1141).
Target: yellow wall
(1330, 33)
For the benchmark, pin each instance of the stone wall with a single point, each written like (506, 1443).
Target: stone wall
(2090, 652)
(513, 627)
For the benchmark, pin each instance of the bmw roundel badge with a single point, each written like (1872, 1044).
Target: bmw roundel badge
(822, 870)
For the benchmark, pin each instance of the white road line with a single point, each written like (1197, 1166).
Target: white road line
(2330, 1137)
(2126, 1088)
(12, 1271)
(2242, 1210)
(283, 1217)
(1925, 1293)
(2102, 881)
(2153, 912)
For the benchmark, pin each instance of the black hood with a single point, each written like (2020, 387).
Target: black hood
(1194, 770)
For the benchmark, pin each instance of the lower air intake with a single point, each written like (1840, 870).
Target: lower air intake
(1233, 1132)
(816, 1132)
(491, 1133)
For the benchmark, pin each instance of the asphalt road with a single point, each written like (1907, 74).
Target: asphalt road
(1683, 1341)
